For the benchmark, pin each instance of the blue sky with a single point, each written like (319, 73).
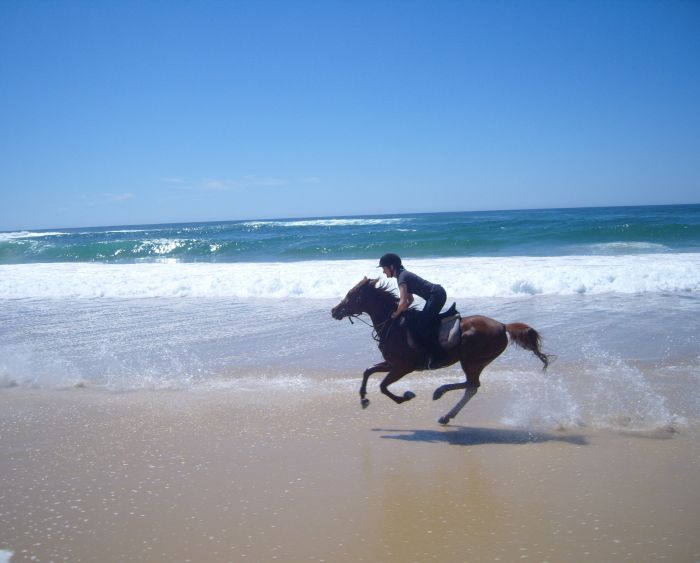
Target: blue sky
(143, 112)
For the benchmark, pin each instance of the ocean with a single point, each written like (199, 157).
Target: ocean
(245, 305)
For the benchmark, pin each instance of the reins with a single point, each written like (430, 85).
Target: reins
(376, 330)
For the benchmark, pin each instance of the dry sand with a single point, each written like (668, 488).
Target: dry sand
(198, 476)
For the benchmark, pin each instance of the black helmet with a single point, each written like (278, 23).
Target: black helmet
(390, 259)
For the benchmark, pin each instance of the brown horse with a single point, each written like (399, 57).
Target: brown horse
(482, 341)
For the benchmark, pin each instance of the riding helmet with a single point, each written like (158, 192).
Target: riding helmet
(390, 259)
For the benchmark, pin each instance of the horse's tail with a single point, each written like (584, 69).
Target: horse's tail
(528, 338)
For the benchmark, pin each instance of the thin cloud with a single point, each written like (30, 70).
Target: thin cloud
(244, 182)
(116, 198)
(263, 182)
(310, 180)
(221, 184)
(215, 185)
(106, 198)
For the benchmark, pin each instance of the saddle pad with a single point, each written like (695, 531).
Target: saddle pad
(450, 332)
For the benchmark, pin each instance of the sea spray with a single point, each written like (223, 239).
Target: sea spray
(462, 277)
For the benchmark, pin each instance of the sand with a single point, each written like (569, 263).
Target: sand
(293, 475)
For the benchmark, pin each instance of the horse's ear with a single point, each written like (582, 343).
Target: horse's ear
(373, 281)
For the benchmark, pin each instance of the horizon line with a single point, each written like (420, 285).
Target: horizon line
(350, 216)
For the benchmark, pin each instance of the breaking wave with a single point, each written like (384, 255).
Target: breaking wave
(461, 277)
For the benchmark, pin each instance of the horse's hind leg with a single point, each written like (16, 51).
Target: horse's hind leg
(470, 386)
(472, 380)
(381, 366)
(440, 391)
(392, 377)
(469, 392)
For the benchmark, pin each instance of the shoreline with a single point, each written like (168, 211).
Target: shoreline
(297, 476)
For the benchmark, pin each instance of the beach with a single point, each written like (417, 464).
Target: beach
(90, 475)
(195, 201)
(182, 393)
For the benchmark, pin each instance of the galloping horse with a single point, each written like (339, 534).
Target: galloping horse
(482, 340)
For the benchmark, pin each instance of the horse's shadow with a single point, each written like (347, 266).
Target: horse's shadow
(475, 436)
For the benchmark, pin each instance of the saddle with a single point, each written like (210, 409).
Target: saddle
(448, 331)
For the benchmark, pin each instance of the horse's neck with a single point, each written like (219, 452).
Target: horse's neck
(379, 315)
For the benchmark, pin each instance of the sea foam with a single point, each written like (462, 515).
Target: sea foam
(15, 235)
(345, 222)
(461, 277)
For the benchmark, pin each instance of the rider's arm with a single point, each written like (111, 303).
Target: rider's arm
(405, 300)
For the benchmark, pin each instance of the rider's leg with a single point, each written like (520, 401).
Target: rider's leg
(428, 324)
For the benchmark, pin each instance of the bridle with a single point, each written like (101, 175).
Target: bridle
(377, 331)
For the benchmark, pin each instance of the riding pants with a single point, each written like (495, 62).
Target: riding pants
(427, 324)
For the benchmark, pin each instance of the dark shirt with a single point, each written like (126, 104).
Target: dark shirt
(415, 284)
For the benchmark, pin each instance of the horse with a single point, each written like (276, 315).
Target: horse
(482, 341)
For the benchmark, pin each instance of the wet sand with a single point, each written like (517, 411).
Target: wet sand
(293, 475)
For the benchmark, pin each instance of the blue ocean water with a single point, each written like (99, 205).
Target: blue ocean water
(548, 232)
(234, 305)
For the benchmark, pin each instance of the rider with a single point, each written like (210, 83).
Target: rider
(434, 295)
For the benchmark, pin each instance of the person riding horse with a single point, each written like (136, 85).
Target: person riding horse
(434, 296)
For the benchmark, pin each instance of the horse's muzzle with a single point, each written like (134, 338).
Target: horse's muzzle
(338, 312)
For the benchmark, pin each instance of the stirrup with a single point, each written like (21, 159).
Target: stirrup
(435, 361)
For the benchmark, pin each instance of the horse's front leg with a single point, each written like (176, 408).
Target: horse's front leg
(393, 376)
(381, 366)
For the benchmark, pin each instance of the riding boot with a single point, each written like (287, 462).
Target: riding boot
(424, 354)
(436, 358)
(423, 351)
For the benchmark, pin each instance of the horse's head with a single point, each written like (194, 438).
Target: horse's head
(354, 302)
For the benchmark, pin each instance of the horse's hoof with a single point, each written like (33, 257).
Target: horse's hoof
(443, 420)
(437, 394)
(364, 403)
(408, 395)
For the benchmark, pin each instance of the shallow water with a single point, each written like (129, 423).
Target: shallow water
(615, 292)
(622, 360)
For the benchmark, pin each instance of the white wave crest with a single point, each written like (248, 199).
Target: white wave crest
(461, 277)
(28, 234)
(126, 231)
(159, 246)
(360, 222)
(626, 247)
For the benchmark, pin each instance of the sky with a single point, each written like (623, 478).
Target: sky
(120, 113)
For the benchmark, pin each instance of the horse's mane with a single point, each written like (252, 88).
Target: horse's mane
(381, 289)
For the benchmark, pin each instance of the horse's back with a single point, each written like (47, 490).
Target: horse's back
(481, 328)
